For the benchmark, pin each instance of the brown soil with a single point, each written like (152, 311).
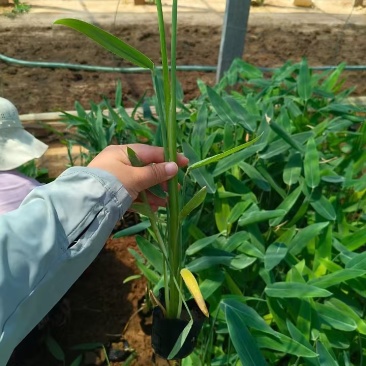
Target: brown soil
(100, 303)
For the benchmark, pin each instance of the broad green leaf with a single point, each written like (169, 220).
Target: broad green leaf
(311, 164)
(132, 230)
(355, 240)
(199, 130)
(181, 339)
(241, 261)
(243, 342)
(297, 336)
(248, 315)
(283, 134)
(218, 157)
(294, 289)
(325, 357)
(201, 243)
(222, 109)
(109, 42)
(193, 203)
(150, 275)
(304, 87)
(221, 211)
(303, 237)
(212, 283)
(286, 205)
(255, 176)
(336, 278)
(237, 211)
(292, 171)
(284, 345)
(349, 312)
(78, 361)
(305, 318)
(55, 349)
(337, 319)
(357, 262)
(151, 253)
(332, 80)
(324, 208)
(275, 253)
(236, 240)
(254, 217)
(206, 262)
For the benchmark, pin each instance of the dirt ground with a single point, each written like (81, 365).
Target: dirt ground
(101, 304)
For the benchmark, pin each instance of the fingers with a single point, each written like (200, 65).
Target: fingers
(153, 174)
(154, 154)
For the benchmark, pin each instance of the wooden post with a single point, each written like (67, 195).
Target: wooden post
(233, 34)
(358, 3)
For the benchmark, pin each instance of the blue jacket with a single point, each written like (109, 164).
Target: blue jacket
(47, 243)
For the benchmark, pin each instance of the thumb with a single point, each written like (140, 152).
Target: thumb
(153, 174)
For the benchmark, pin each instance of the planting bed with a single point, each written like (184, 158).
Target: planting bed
(100, 303)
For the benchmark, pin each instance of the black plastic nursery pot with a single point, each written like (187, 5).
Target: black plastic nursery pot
(165, 332)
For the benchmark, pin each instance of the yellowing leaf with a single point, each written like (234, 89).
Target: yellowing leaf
(194, 289)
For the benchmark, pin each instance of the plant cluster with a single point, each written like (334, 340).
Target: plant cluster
(270, 217)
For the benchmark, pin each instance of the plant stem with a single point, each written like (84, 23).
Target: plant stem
(174, 239)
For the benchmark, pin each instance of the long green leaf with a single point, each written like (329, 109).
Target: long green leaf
(325, 357)
(249, 218)
(304, 87)
(292, 171)
(336, 318)
(109, 42)
(275, 253)
(336, 278)
(132, 230)
(311, 164)
(294, 289)
(181, 339)
(151, 253)
(243, 342)
(193, 203)
(218, 157)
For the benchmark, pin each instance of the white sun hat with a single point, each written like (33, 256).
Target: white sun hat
(17, 146)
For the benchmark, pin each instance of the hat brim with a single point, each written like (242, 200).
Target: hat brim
(17, 147)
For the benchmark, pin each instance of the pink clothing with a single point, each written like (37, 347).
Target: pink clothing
(14, 187)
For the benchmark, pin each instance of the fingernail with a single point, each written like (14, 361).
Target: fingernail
(171, 168)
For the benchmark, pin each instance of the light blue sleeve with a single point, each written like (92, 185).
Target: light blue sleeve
(48, 242)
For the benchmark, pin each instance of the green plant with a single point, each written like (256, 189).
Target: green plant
(19, 8)
(101, 126)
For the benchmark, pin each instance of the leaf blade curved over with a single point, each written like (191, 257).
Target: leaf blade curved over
(108, 41)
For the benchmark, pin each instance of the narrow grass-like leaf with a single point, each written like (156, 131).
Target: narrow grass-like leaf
(295, 289)
(275, 253)
(243, 342)
(218, 157)
(221, 211)
(181, 339)
(109, 42)
(194, 289)
(193, 203)
(254, 217)
(132, 230)
(311, 164)
(304, 87)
